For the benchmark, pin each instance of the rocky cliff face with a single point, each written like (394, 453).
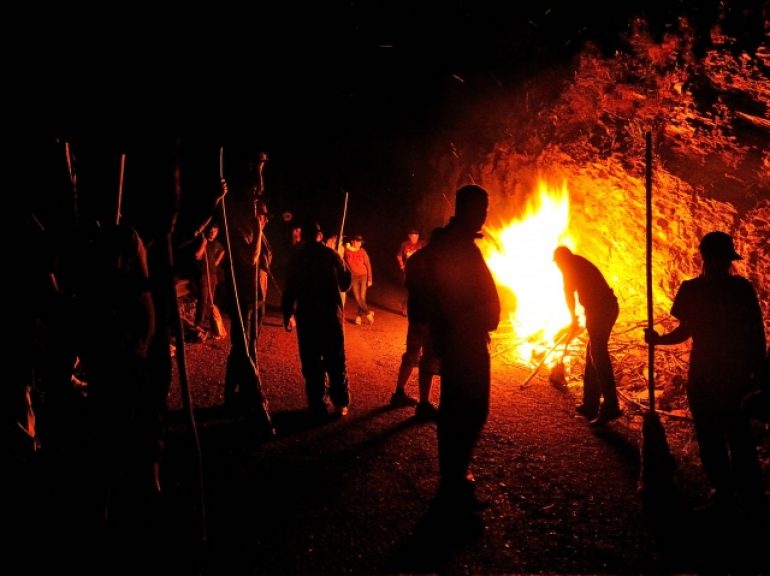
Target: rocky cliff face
(710, 120)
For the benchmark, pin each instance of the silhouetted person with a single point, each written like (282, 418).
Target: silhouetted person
(720, 312)
(464, 308)
(419, 347)
(116, 326)
(314, 280)
(208, 257)
(245, 210)
(584, 282)
(408, 247)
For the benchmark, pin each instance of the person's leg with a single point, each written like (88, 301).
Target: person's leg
(409, 360)
(355, 289)
(463, 410)
(336, 366)
(591, 389)
(710, 433)
(310, 351)
(747, 471)
(429, 365)
(599, 326)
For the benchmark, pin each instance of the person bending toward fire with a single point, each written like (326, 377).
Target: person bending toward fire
(721, 313)
(584, 282)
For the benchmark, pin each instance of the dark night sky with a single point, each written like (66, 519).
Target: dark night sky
(285, 67)
(330, 90)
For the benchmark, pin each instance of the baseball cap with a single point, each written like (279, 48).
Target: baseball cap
(720, 245)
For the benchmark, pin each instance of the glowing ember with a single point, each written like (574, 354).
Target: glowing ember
(520, 256)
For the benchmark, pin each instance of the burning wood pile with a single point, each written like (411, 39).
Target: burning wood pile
(570, 170)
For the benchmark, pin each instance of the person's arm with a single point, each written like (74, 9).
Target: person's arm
(369, 275)
(676, 336)
(148, 305)
(344, 277)
(219, 257)
(201, 251)
(289, 298)
(569, 298)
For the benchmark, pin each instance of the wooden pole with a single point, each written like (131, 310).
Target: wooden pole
(73, 181)
(339, 243)
(120, 187)
(650, 319)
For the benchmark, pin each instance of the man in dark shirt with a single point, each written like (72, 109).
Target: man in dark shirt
(464, 307)
(314, 281)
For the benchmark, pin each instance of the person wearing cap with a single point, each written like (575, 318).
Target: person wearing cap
(720, 311)
(360, 266)
(584, 282)
(408, 247)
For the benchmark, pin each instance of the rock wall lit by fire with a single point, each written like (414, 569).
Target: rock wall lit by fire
(711, 131)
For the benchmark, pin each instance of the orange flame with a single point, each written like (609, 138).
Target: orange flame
(520, 257)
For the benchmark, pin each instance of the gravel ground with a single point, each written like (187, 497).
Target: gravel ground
(352, 496)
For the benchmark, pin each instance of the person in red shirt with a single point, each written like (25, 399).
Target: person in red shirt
(361, 269)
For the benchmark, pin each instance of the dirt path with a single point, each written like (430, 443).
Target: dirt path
(352, 496)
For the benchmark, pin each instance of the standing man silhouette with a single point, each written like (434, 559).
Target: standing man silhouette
(465, 308)
(315, 279)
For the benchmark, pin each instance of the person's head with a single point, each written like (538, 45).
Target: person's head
(357, 241)
(212, 232)
(311, 231)
(413, 235)
(471, 204)
(561, 255)
(717, 250)
(331, 241)
(256, 162)
(436, 234)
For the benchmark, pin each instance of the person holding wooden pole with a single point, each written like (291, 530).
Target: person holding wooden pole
(243, 235)
(720, 311)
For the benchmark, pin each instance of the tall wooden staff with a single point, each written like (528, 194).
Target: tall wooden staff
(120, 188)
(258, 191)
(73, 181)
(657, 464)
(339, 244)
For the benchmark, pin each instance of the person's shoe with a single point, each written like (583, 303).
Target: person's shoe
(586, 412)
(425, 411)
(341, 412)
(370, 317)
(605, 416)
(358, 321)
(401, 398)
